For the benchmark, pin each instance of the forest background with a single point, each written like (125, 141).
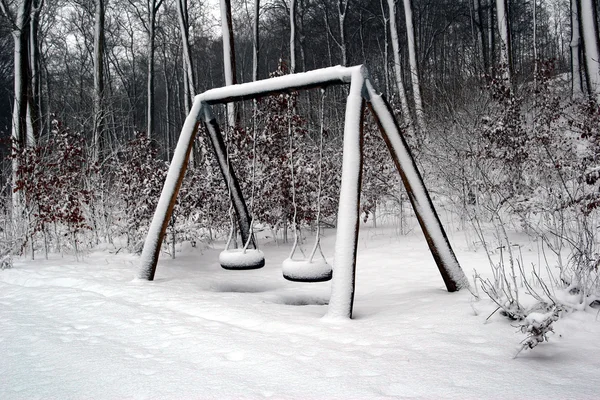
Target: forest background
(498, 100)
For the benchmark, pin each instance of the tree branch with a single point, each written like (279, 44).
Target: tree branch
(8, 13)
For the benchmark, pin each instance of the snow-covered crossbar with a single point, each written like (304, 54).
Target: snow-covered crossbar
(361, 92)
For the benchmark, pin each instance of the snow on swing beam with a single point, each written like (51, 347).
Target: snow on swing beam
(361, 90)
(337, 75)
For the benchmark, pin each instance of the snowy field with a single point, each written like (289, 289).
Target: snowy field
(88, 330)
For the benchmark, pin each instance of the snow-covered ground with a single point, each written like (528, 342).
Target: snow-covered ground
(88, 330)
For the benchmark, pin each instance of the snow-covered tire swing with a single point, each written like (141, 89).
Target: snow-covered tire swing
(309, 269)
(240, 259)
(243, 258)
(306, 270)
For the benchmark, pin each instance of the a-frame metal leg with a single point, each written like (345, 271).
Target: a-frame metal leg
(343, 281)
(220, 151)
(168, 196)
(156, 233)
(432, 228)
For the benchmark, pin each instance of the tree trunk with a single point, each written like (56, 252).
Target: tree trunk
(505, 45)
(491, 39)
(480, 34)
(19, 114)
(98, 79)
(408, 121)
(589, 29)
(302, 38)
(292, 36)
(342, 9)
(535, 50)
(34, 109)
(256, 41)
(167, 107)
(577, 84)
(326, 20)
(153, 8)
(228, 56)
(20, 33)
(385, 49)
(182, 12)
(186, 91)
(414, 70)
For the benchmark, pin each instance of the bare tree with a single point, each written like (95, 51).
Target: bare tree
(491, 38)
(481, 38)
(414, 69)
(385, 48)
(408, 121)
(256, 41)
(589, 28)
(292, 36)
(34, 108)
(149, 23)
(19, 19)
(183, 16)
(152, 7)
(505, 44)
(342, 11)
(342, 8)
(98, 78)
(228, 55)
(577, 84)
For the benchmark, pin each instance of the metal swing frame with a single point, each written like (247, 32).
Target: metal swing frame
(361, 94)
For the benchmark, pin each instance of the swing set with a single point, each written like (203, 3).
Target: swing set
(311, 269)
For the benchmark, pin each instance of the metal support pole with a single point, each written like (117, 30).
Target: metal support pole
(220, 151)
(346, 239)
(432, 228)
(168, 196)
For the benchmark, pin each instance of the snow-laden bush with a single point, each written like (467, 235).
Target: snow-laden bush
(380, 178)
(537, 326)
(526, 159)
(139, 178)
(6, 261)
(51, 184)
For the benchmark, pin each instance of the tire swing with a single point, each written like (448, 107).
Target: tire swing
(309, 269)
(242, 258)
